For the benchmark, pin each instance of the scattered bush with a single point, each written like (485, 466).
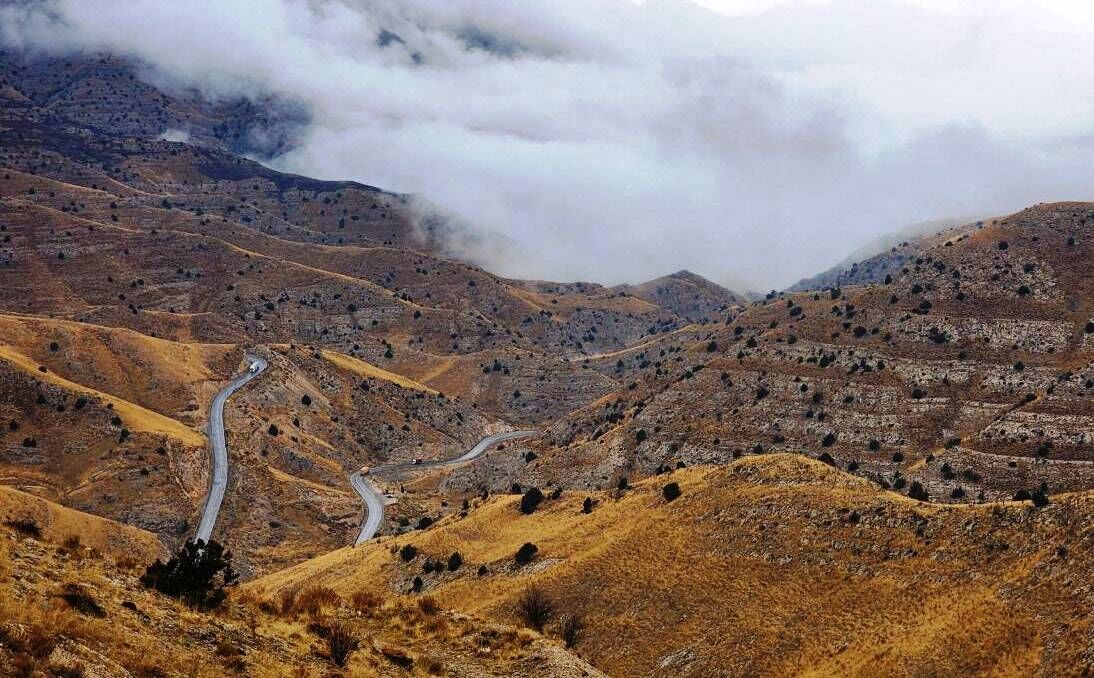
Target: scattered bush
(918, 492)
(525, 553)
(288, 601)
(197, 574)
(26, 527)
(408, 553)
(365, 601)
(454, 561)
(531, 499)
(671, 491)
(83, 602)
(342, 642)
(1040, 496)
(428, 605)
(587, 505)
(315, 599)
(71, 544)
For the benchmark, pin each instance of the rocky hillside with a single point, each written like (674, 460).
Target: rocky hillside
(968, 375)
(136, 271)
(891, 474)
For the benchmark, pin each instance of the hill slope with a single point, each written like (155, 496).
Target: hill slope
(74, 606)
(773, 565)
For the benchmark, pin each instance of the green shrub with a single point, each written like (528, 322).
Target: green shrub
(197, 574)
(671, 491)
(531, 499)
(526, 553)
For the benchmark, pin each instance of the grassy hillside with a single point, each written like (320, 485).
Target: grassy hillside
(71, 605)
(773, 565)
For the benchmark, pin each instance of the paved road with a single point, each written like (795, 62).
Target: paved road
(374, 502)
(219, 482)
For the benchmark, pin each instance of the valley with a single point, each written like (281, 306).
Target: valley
(888, 475)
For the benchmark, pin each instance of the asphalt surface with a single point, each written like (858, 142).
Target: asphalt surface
(219, 449)
(373, 498)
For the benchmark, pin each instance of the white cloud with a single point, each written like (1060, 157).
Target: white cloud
(611, 140)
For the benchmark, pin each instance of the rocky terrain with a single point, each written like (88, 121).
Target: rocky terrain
(900, 457)
(137, 270)
(970, 372)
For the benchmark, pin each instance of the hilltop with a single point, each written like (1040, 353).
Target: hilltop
(970, 371)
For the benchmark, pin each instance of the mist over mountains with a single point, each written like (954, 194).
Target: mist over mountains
(655, 136)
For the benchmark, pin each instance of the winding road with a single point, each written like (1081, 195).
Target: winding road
(219, 480)
(373, 499)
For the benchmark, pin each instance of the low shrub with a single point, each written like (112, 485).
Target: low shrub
(26, 527)
(526, 553)
(530, 501)
(83, 602)
(197, 574)
(671, 491)
(570, 629)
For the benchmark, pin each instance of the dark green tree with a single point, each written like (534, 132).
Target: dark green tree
(197, 574)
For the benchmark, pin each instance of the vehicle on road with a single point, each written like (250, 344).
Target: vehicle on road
(416, 460)
(254, 367)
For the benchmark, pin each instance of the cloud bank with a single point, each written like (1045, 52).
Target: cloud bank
(612, 140)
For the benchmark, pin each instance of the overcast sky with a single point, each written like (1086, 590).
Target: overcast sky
(613, 140)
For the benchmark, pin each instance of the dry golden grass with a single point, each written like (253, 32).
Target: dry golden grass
(364, 369)
(774, 565)
(60, 525)
(111, 357)
(59, 613)
(136, 417)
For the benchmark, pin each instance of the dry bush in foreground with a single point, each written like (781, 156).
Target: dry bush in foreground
(342, 642)
(197, 574)
(534, 608)
(570, 629)
(365, 601)
(315, 599)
